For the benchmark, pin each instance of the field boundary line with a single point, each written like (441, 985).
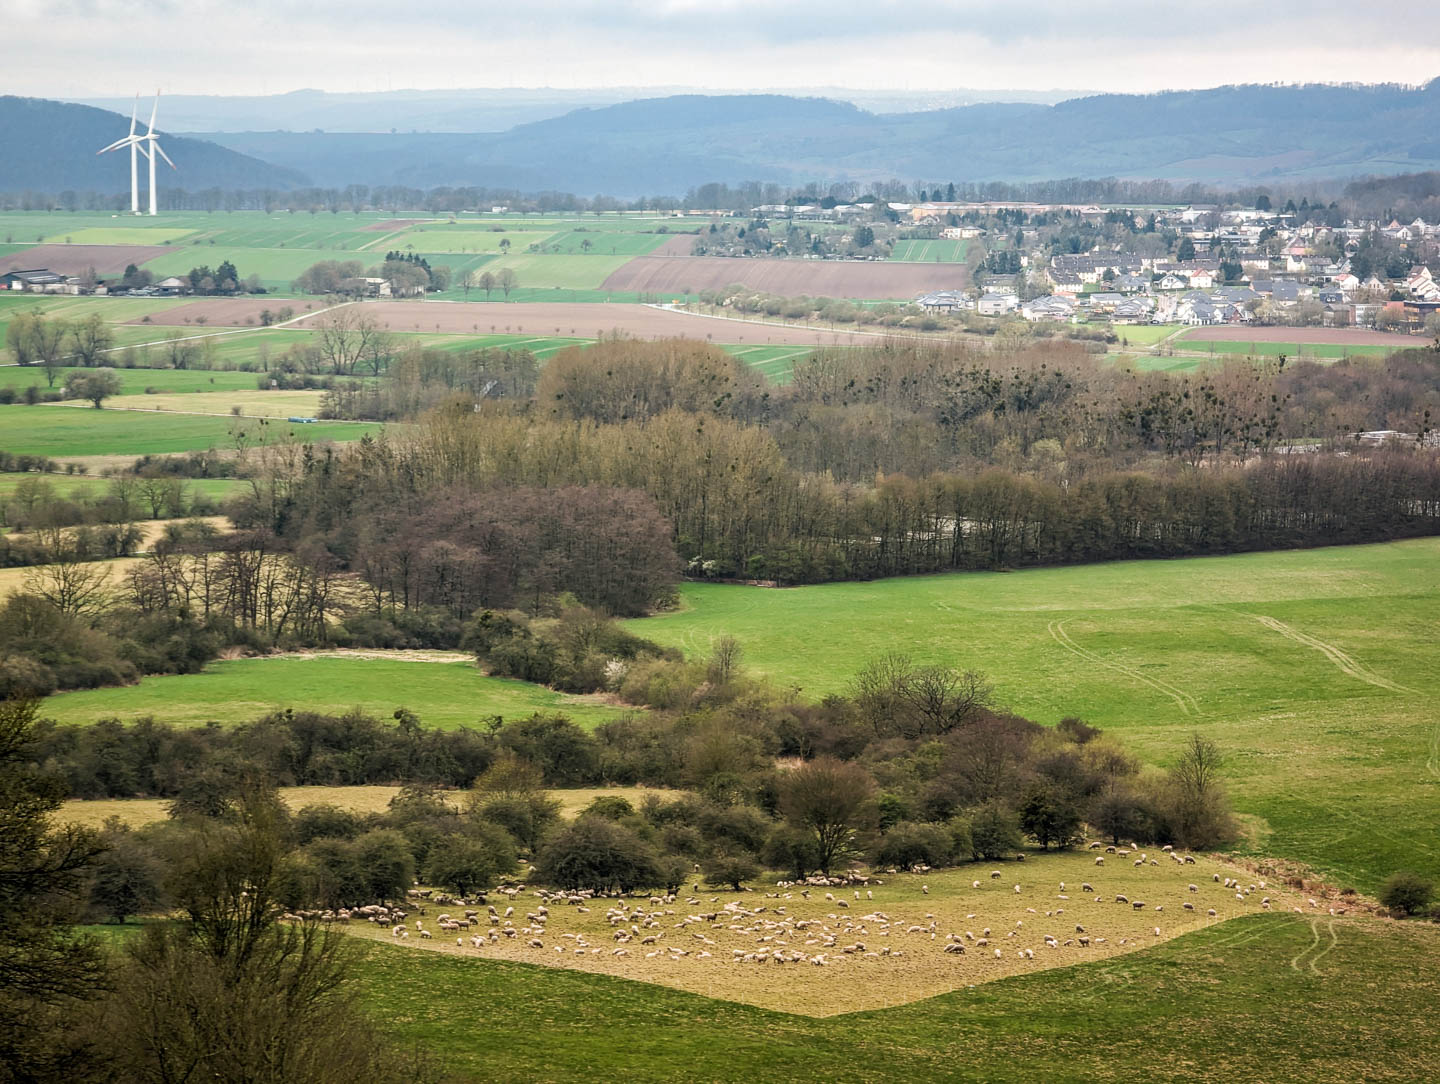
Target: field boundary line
(1344, 662)
(1187, 704)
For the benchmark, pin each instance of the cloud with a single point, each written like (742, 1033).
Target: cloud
(83, 47)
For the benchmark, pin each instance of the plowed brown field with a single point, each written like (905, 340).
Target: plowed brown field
(77, 259)
(791, 278)
(581, 320)
(225, 311)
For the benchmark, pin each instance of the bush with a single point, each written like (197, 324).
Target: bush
(601, 855)
(1407, 893)
(908, 844)
(730, 868)
(994, 832)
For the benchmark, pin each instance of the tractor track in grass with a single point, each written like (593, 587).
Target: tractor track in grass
(1313, 946)
(1187, 704)
(1347, 664)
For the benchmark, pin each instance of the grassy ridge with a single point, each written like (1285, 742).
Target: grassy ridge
(1317, 670)
(1355, 1007)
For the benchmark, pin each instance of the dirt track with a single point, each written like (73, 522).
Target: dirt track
(581, 320)
(670, 275)
(77, 259)
(1340, 336)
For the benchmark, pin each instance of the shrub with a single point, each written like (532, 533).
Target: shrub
(908, 844)
(601, 855)
(1407, 893)
(730, 868)
(994, 832)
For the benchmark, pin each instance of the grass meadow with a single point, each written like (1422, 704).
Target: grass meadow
(1294, 351)
(1316, 671)
(447, 694)
(60, 432)
(86, 485)
(1270, 997)
(939, 250)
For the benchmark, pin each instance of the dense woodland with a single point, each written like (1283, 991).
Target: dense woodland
(907, 457)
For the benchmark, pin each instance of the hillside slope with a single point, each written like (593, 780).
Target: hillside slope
(51, 147)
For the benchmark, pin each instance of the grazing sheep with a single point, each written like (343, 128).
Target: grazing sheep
(1085, 887)
(1100, 860)
(1211, 912)
(426, 934)
(994, 874)
(1017, 890)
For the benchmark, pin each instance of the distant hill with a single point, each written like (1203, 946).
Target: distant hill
(50, 146)
(496, 109)
(1227, 135)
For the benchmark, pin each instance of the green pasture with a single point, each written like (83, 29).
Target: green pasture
(529, 292)
(1342, 998)
(277, 267)
(1317, 671)
(120, 235)
(445, 694)
(60, 431)
(136, 381)
(939, 250)
(603, 242)
(776, 362)
(244, 229)
(446, 238)
(1324, 351)
(89, 485)
(1144, 334)
(565, 272)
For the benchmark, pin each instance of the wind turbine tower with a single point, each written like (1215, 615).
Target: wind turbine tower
(152, 148)
(133, 142)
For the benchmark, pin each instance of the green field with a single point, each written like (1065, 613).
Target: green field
(448, 238)
(59, 431)
(776, 362)
(85, 485)
(1144, 334)
(120, 235)
(277, 267)
(1342, 1000)
(135, 381)
(939, 250)
(1327, 351)
(1316, 670)
(444, 694)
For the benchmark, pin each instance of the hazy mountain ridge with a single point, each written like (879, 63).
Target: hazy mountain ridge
(51, 146)
(653, 146)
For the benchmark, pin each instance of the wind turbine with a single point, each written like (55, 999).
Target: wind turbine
(133, 142)
(153, 149)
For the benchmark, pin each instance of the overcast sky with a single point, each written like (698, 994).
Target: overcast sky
(87, 48)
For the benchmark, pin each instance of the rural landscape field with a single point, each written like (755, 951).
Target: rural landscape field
(541, 584)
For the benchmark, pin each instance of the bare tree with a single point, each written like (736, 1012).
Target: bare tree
(90, 338)
(345, 338)
(829, 800)
(70, 584)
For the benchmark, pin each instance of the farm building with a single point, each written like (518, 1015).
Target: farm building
(36, 281)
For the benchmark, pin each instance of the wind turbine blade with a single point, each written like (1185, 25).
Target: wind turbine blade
(116, 145)
(134, 109)
(159, 150)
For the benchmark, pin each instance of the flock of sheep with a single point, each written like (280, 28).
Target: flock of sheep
(786, 927)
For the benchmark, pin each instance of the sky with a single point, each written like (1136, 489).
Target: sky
(103, 48)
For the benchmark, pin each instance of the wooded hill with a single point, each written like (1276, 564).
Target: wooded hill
(1231, 134)
(51, 147)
